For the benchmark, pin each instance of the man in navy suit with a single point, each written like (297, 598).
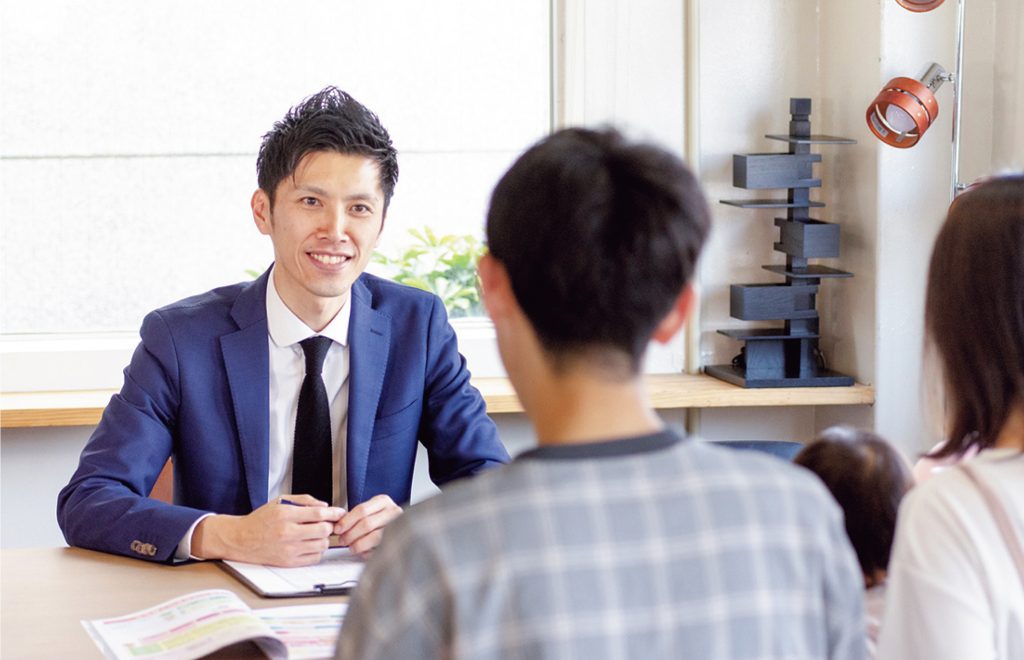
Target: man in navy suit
(215, 381)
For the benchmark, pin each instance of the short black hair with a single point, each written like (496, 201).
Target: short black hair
(599, 235)
(330, 120)
(868, 478)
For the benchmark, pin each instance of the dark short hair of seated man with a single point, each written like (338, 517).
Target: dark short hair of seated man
(330, 120)
(598, 235)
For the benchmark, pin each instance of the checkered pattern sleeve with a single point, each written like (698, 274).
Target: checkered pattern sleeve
(400, 609)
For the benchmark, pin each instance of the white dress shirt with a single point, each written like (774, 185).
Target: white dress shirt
(287, 369)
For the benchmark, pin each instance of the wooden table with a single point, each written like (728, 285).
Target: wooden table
(46, 592)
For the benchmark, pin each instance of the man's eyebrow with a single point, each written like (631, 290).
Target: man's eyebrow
(305, 187)
(362, 197)
(354, 197)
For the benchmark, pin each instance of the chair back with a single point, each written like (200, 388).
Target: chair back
(163, 489)
(784, 449)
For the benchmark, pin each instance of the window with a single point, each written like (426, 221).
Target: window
(130, 131)
(130, 134)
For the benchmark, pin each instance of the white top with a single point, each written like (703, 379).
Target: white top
(287, 369)
(954, 591)
(874, 608)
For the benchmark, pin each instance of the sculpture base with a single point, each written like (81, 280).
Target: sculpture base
(731, 374)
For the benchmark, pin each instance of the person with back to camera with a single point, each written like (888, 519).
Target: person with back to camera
(616, 537)
(310, 385)
(956, 579)
(869, 478)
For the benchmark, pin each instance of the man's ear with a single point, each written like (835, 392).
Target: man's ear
(495, 286)
(676, 317)
(260, 204)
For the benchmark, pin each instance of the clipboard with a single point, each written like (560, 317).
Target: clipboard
(337, 574)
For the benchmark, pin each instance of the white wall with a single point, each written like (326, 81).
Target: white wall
(34, 465)
(755, 56)
(993, 104)
(889, 202)
(848, 307)
(893, 201)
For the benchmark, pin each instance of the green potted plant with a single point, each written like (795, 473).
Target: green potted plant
(444, 265)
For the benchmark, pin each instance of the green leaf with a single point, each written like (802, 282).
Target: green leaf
(413, 252)
(442, 264)
(418, 236)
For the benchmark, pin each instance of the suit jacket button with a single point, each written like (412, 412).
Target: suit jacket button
(141, 548)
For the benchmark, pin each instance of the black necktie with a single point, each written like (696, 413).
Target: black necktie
(311, 455)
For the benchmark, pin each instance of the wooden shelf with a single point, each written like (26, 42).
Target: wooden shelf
(33, 409)
(702, 391)
(83, 408)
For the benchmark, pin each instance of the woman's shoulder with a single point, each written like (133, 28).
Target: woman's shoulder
(1002, 471)
(952, 497)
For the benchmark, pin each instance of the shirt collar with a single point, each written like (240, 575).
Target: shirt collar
(285, 328)
(607, 449)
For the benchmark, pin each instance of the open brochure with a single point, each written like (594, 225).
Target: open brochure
(202, 622)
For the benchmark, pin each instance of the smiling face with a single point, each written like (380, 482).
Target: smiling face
(324, 224)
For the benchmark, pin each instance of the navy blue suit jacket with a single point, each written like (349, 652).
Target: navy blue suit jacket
(197, 389)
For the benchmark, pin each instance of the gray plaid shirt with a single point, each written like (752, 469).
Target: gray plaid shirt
(648, 547)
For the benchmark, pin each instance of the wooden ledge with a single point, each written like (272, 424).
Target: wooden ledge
(83, 408)
(700, 391)
(38, 409)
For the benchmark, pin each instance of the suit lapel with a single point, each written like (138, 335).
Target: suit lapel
(247, 363)
(369, 342)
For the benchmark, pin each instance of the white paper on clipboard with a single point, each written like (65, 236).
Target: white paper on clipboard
(337, 573)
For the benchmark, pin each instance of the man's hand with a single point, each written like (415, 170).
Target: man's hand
(275, 534)
(361, 528)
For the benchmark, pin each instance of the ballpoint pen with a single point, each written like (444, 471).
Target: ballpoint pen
(334, 539)
(338, 588)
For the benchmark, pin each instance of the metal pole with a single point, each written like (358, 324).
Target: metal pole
(958, 81)
(691, 51)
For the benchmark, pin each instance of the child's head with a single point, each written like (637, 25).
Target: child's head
(868, 478)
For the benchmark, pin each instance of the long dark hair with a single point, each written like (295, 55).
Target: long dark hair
(974, 311)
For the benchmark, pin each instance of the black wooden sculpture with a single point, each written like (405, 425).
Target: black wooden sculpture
(788, 356)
